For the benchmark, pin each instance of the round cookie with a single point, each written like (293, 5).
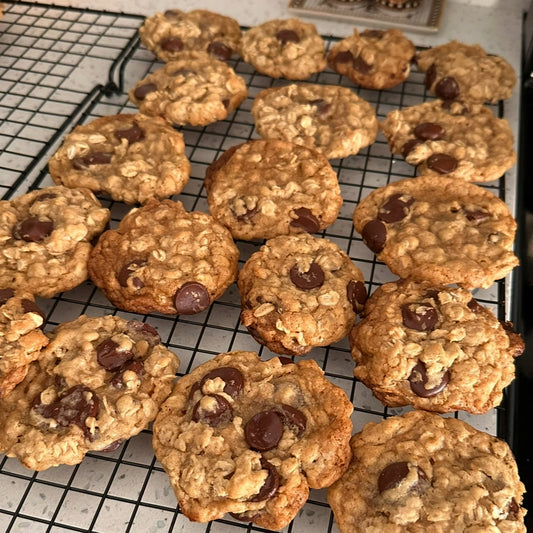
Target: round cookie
(163, 258)
(466, 72)
(433, 347)
(132, 158)
(194, 89)
(171, 33)
(284, 48)
(264, 188)
(428, 229)
(21, 338)
(458, 140)
(249, 437)
(375, 59)
(100, 381)
(300, 291)
(328, 118)
(45, 238)
(423, 472)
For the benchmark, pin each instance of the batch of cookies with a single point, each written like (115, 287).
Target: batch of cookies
(238, 434)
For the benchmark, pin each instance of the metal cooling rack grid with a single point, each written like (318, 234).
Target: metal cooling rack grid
(127, 490)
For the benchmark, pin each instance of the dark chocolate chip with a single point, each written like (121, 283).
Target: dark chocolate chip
(392, 475)
(30, 306)
(409, 146)
(305, 220)
(5, 295)
(33, 230)
(420, 317)
(429, 131)
(192, 297)
(172, 44)
(356, 294)
(221, 413)
(127, 270)
(447, 88)
(45, 196)
(250, 213)
(286, 36)
(478, 215)
(232, 377)
(513, 510)
(271, 484)
(442, 163)
(322, 107)
(361, 65)
(293, 418)
(372, 34)
(226, 102)
(475, 306)
(418, 380)
(375, 235)
(133, 134)
(93, 158)
(306, 281)
(396, 208)
(136, 366)
(431, 76)
(264, 430)
(143, 90)
(248, 516)
(113, 446)
(110, 356)
(345, 56)
(285, 360)
(219, 50)
(145, 330)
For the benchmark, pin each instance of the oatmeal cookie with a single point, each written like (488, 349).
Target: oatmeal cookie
(375, 59)
(45, 239)
(428, 229)
(328, 118)
(264, 188)
(249, 437)
(194, 89)
(300, 291)
(100, 381)
(423, 472)
(164, 258)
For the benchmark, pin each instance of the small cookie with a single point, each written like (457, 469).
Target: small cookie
(264, 188)
(170, 33)
(249, 437)
(451, 138)
(132, 158)
(21, 338)
(435, 348)
(163, 258)
(99, 381)
(429, 229)
(328, 118)
(423, 472)
(300, 291)
(194, 89)
(466, 72)
(375, 59)
(284, 48)
(45, 238)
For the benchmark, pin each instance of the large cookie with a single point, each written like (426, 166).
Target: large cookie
(300, 291)
(460, 141)
(423, 472)
(466, 72)
(170, 33)
(45, 239)
(429, 229)
(99, 381)
(435, 348)
(194, 89)
(264, 188)
(328, 118)
(249, 437)
(164, 258)
(375, 59)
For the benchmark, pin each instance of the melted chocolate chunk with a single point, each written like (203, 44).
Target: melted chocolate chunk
(146, 330)
(250, 213)
(429, 131)
(305, 220)
(287, 36)
(127, 270)
(476, 216)
(271, 484)
(311, 279)
(393, 474)
(442, 163)
(420, 317)
(93, 158)
(396, 208)
(191, 298)
(113, 446)
(220, 414)
(133, 134)
(361, 65)
(136, 366)
(30, 306)
(475, 306)
(418, 380)
(232, 377)
(219, 51)
(356, 294)
(293, 418)
(110, 356)
(409, 146)
(513, 510)
(375, 235)
(33, 230)
(322, 107)
(5, 295)
(143, 90)
(431, 76)
(345, 56)
(264, 430)
(172, 44)
(447, 88)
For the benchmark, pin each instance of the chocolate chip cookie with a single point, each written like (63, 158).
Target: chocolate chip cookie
(328, 118)
(459, 71)
(164, 258)
(433, 347)
(194, 89)
(171, 33)
(428, 229)
(452, 138)
(423, 472)
(249, 437)
(264, 188)
(300, 291)
(375, 59)
(100, 381)
(45, 238)
(132, 158)
(21, 338)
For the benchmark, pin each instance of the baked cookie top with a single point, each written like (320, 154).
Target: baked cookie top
(328, 118)
(466, 72)
(428, 229)
(461, 141)
(264, 188)
(433, 347)
(375, 59)
(284, 48)
(45, 239)
(194, 89)
(21, 338)
(131, 157)
(170, 33)
(249, 437)
(99, 381)
(300, 291)
(423, 472)
(164, 258)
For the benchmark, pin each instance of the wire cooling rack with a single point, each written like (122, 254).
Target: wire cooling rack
(61, 67)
